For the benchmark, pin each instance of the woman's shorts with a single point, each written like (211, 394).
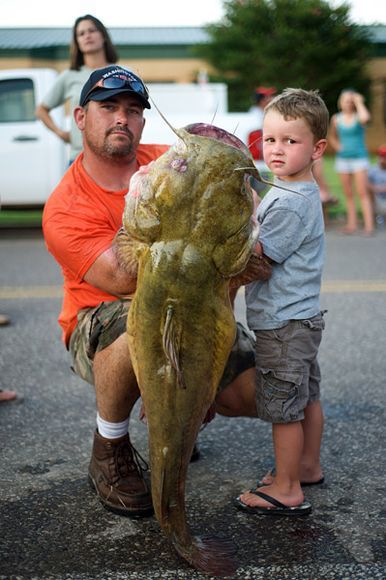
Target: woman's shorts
(351, 165)
(99, 327)
(287, 370)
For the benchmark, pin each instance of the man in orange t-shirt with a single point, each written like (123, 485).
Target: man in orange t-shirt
(80, 221)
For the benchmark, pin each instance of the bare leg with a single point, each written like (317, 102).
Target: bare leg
(351, 224)
(115, 383)
(310, 468)
(365, 200)
(239, 398)
(312, 424)
(288, 445)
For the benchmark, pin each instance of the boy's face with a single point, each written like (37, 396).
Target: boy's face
(289, 148)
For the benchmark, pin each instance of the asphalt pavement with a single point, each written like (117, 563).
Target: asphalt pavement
(53, 527)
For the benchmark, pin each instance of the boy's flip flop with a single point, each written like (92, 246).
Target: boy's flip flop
(272, 472)
(277, 509)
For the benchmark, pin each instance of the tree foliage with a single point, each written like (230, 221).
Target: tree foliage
(287, 43)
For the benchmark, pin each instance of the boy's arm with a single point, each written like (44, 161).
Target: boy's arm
(258, 268)
(258, 249)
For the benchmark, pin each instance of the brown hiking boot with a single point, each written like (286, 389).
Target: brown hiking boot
(115, 473)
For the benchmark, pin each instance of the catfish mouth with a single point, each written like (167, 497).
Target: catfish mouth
(213, 132)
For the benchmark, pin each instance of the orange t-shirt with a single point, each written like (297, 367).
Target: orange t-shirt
(80, 220)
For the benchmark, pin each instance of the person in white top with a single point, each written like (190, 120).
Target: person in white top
(91, 48)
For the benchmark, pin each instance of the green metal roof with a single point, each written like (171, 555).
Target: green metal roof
(146, 42)
(35, 38)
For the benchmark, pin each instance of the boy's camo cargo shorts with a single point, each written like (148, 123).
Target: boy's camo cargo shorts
(99, 327)
(288, 373)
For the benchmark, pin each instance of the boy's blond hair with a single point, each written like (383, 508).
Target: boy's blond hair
(301, 104)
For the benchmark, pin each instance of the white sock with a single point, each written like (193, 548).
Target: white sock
(112, 430)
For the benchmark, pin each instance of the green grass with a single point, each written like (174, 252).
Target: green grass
(339, 210)
(27, 218)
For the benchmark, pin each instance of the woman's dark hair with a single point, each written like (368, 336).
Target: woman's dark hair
(76, 56)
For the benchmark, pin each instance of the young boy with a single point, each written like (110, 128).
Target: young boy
(284, 311)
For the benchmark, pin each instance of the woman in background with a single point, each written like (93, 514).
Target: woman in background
(347, 137)
(91, 48)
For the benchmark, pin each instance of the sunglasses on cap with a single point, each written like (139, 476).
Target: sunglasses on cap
(119, 81)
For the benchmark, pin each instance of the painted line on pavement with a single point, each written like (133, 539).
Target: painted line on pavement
(328, 287)
(11, 292)
(341, 286)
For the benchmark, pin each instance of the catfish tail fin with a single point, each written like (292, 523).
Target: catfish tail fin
(210, 555)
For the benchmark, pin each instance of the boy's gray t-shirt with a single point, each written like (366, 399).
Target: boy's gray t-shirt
(68, 86)
(292, 234)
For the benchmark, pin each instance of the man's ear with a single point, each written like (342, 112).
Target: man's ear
(79, 116)
(319, 149)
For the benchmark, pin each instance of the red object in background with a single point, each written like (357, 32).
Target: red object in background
(266, 91)
(255, 144)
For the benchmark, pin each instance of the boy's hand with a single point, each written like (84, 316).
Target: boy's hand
(257, 268)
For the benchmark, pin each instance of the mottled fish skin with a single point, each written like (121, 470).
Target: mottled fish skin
(190, 214)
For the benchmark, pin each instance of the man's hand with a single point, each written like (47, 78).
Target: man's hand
(257, 268)
(115, 270)
(125, 249)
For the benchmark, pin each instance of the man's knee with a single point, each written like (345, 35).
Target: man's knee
(238, 399)
(97, 329)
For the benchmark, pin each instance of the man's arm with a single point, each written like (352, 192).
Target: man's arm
(107, 275)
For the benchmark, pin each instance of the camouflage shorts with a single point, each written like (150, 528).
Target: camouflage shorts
(287, 370)
(99, 327)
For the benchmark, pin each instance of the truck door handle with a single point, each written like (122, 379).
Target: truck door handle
(26, 138)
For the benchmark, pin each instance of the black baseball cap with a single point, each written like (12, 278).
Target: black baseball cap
(112, 80)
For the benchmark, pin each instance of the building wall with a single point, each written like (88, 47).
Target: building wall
(168, 70)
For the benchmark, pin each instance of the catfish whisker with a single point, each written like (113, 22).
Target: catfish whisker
(268, 182)
(255, 141)
(165, 119)
(214, 115)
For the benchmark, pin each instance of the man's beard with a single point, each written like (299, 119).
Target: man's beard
(114, 151)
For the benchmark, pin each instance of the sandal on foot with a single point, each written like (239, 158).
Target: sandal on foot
(4, 320)
(7, 396)
(277, 509)
(272, 472)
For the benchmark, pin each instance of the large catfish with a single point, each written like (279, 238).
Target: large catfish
(188, 215)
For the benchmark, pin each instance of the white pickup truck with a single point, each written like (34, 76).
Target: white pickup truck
(33, 159)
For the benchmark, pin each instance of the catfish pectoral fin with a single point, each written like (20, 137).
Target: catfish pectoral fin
(210, 555)
(171, 344)
(231, 256)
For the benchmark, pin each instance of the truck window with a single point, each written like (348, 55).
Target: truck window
(17, 100)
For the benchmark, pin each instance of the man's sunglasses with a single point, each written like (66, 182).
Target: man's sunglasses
(119, 82)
